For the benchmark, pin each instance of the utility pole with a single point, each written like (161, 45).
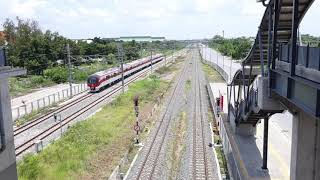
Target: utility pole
(141, 49)
(222, 54)
(151, 60)
(174, 47)
(120, 60)
(69, 68)
(164, 54)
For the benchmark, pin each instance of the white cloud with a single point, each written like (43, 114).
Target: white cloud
(26, 8)
(171, 18)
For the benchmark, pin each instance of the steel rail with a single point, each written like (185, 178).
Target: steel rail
(158, 129)
(198, 114)
(57, 126)
(28, 144)
(45, 117)
(202, 126)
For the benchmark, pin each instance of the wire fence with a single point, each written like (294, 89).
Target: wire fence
(29, 107)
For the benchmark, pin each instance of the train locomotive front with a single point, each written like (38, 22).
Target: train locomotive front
(93, 82)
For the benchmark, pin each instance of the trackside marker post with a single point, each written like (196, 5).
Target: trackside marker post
(57, 118)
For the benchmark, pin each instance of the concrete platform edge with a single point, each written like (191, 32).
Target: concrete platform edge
(235, 164)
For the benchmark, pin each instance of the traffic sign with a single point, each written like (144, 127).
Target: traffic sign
(137, 128)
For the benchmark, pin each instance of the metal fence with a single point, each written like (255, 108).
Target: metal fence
(28, 107)
(307, 56)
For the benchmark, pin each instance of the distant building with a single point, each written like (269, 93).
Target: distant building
(137, 38)
(83, 40)
(158, 38)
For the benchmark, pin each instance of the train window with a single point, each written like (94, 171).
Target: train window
(92, 80)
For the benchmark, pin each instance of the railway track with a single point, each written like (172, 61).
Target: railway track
(146, 171)
(52, 129)
(45, 117)
(56, 126)
(20, 129)
(199, 159)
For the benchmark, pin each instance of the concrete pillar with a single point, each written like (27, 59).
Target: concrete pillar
(305, 148)
(7, 156)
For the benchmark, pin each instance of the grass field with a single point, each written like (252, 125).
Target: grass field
(91, 148)
(212, 74)
(22, 85)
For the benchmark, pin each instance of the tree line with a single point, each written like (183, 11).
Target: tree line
(237, 48)
(36, 50)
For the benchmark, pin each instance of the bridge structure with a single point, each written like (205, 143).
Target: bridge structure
(7, 154)
(279, 74)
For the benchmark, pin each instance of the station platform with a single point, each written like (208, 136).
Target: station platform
(244, 153)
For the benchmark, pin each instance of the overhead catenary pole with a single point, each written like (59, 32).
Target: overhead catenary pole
(69, 69)
(151, 59)
(222, 54)
(141, 49)
(120, 60)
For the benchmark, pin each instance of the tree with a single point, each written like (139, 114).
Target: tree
(237, 48)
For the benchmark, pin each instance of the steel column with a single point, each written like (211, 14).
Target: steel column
(270, 45)
(265, 143)
(307, 58)
(294, 29)
(318, 103)
(243, 82)
(277, 8)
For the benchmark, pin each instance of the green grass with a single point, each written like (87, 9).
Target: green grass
(22, 85)
(177, 145)
(212, 74)
(222, 162)
(109, 130)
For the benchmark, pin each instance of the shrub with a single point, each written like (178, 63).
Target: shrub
(57, 74)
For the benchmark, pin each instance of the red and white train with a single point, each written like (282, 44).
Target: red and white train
(110, 76)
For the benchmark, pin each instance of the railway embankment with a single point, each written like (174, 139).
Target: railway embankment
(92, 148)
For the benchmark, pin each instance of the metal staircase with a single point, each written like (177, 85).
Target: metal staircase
(279, 24)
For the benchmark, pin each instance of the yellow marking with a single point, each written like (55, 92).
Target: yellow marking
(284, 169)
(283, 165)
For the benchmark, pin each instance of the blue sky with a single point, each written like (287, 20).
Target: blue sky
(174, 19)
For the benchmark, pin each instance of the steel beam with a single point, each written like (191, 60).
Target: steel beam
(261, 53)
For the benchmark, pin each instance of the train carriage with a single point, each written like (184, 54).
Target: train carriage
(110, 76)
